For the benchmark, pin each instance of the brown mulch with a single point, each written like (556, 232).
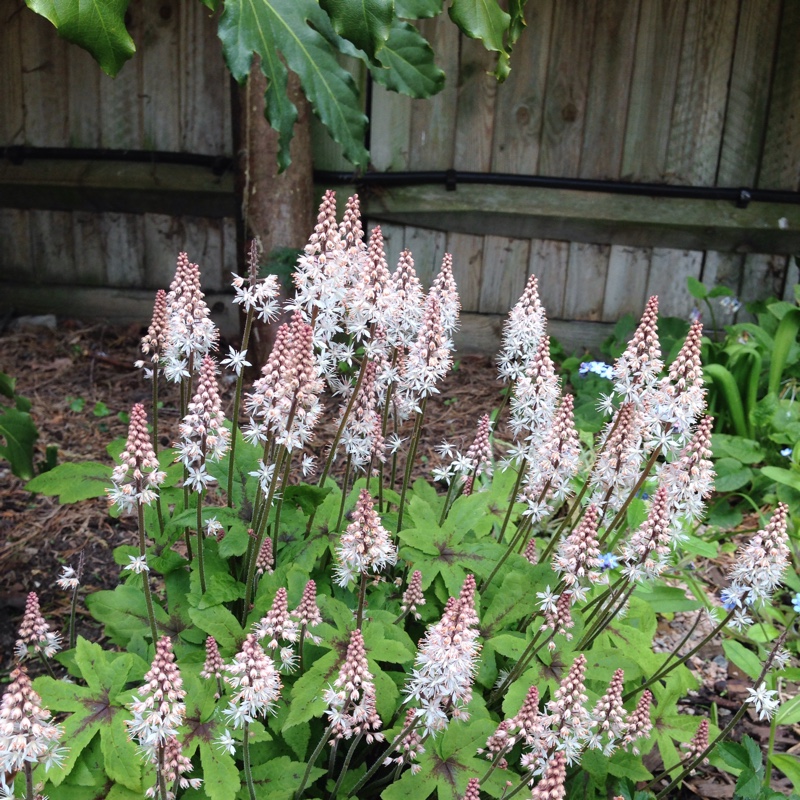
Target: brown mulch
(94, 363)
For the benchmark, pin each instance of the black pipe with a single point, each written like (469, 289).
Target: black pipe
(741, 196)
(17, 154)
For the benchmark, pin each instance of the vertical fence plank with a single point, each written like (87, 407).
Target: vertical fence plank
(467, 252)
(90, 248)
(763, 276)
(52, 248)
(205, 84)
(792, 279)
(655, 73)
(390, 130)
(120, 104)
(44, 69)
(587, 268)
(158, 59)
(505, 273)
(204, 240)
(548, 262)
(428, 248)
(669, 270)
(83, 92)
(780, 168)
(15, 254)
(123, 235)
(567, 84)
(697, 117)
(626, 284)
(609, 89)
(162, 239)
(433, 120)
(746, 110)
(520, 99)
(475, 114)
(12, 118)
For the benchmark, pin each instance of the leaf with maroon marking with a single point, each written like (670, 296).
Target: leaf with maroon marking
(96, 708)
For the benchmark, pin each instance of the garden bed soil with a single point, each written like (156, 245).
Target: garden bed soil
(79, 377)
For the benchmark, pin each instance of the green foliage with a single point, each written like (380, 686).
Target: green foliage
(17, 429)
(310, 37)
(196, 572)
(98, 27)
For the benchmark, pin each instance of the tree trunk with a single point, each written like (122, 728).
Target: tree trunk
(276, 208)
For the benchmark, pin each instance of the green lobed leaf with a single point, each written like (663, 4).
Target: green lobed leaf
(121, 758)
(20, 434)
(408, 62)
(748, 451)
(102, 670)
(291, 31)
(731, 475)
(307, 702)
(666, 599)
(365, 23)
(221, 779)
(73, 482)
(696, 288)
(747, 661)
(218, 622)
(279, 778)
(417, 9)
(98, 27)
(124, 613)
(789, 765)
(515, 599)
(485, 20)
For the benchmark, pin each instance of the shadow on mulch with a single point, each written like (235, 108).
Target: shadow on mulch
(81, 377)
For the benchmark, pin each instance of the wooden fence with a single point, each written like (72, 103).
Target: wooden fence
(694, 92)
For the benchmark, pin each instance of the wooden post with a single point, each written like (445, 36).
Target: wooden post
(276, 208)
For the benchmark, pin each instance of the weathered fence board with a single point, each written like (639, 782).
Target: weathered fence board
(655, 73)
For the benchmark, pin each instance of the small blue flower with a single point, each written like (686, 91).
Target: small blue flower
(786, 452)
(598, 367)
(608, 561)
(729, 599)
(796, 602)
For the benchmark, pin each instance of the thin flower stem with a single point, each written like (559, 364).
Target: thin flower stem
(313, 760)
(495, 762)
(147, 597)
(248, 773)
(527, 656)
(723, 733)
(47, 666)
(237, 400)
(345, 481)
(345, 767)
(516, 790)
(162, 783)
(512, 500)
(521, 531)
(362, 596)
(301, 646)
(276, 524)
(159, 510)
(340, 430)
(599, 627)
(620, 515)
(28, 781)
(200, 561)
(412, 454)
(664, 670)
(379, 761)
(447, 500)
(259, 540)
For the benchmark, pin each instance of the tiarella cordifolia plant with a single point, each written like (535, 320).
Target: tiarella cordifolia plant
(366, 636)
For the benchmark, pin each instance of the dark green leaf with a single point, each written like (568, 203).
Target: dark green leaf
(745, 659)
(124, 613)
(218, 622)
(417, 9)
(98, 27)
(733, 754)
(292, 30)
(484, 20)
(408, 62)
(20, 434)
(696, 289)
(731, 475)
(279, 778)
(747, 451)
(73, 482)
(366, 23)
(307, 702)
(789, 765)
